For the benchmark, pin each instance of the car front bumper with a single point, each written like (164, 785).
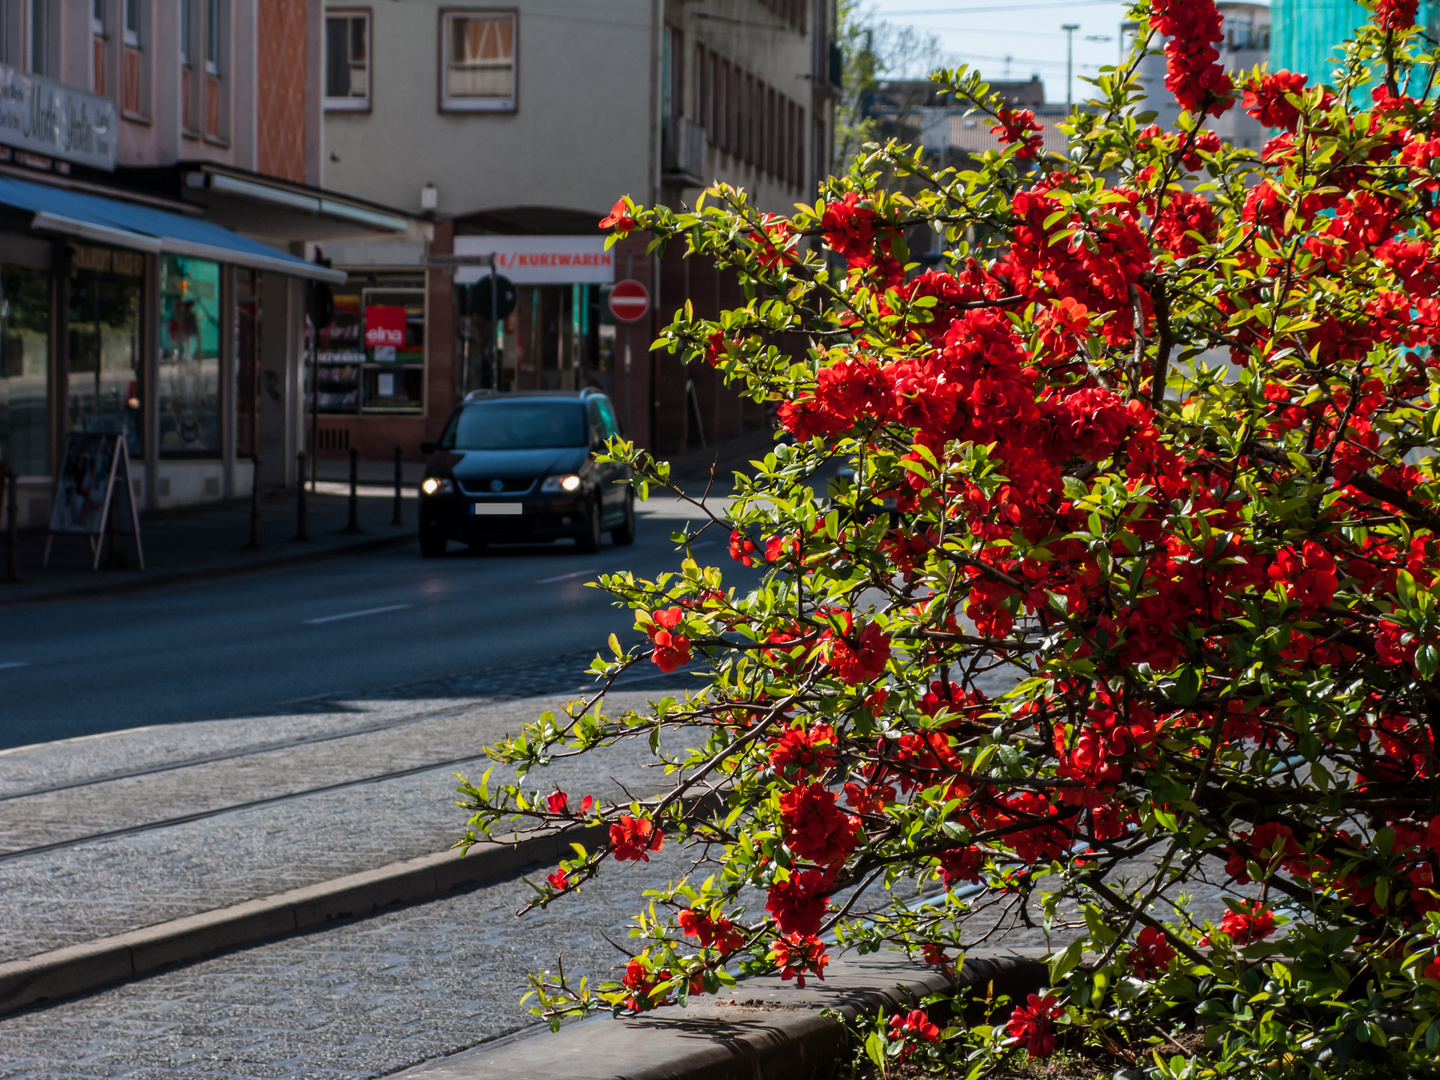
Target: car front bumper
(461, 517)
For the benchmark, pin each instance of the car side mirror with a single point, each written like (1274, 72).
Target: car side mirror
(427, 447)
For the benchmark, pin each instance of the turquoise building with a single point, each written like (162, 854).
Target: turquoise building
(1305, 35)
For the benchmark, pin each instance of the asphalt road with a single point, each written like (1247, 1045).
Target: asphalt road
(355, 626)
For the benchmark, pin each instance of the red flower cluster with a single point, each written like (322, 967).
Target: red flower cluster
(797, 955)
(798, 903)
(912, 1028)
(1152, 953)
(1033, 1024)
(620, 219)
(816, 828)
(1193, 70)
(1265, 98)
(1016, 126)
(852, 230)
(671, 650)
(802, 751)
(1253, 922)
(641, 983)
(855, 661)
(719, 934)
(1308, 576)
(1185, 213)
(632, 838)
(1395, 14)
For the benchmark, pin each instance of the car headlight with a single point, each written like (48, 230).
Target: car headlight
(437, 485)
(568, 482)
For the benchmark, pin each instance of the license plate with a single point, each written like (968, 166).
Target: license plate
(507, 509)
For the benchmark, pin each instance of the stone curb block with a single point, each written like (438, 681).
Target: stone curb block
(768, 1030)
(77, 968)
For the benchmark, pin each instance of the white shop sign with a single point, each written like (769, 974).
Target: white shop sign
(539, 260)
(49, 118)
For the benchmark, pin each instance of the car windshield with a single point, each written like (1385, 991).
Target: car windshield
(518, 425)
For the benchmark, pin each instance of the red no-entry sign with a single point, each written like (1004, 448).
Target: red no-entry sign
(629, 300)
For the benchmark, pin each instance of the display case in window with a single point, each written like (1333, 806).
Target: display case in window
(392, 376)
(371, 358)
(341, 357)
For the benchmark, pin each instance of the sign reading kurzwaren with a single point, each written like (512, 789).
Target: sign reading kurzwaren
(48, 118)
(539, 260)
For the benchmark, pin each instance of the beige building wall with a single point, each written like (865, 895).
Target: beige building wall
(586, 127)
(580, 128)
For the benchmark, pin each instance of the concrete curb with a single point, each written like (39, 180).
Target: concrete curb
(768, 1030)
(159, 580)
(78, 968)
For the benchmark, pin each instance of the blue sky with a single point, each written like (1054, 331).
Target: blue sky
(982, 33)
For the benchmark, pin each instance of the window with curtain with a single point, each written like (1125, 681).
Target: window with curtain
(479, 61)
(347, 60)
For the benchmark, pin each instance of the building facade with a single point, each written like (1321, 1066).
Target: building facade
(161, 177)
(1308, 33)
(515, 128)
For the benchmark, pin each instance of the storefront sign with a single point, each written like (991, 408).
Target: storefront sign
(539, 260)
(49, 118)
(384, 327)
(107, 260)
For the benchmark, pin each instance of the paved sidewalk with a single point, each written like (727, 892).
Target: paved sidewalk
(103, 887)
(197, 543)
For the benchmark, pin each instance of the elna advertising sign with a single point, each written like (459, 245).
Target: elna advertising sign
(47, 118)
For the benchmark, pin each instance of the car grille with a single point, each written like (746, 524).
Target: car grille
(510, 485)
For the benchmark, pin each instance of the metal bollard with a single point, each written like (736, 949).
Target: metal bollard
(12, 529)
(254, 542)
(353, 525)
(301, 533)
(395, 518)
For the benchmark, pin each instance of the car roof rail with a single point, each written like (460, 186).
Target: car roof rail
(480, 395)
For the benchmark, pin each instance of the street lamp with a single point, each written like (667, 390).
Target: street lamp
(1069, 29)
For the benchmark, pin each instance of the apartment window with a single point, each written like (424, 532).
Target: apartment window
(188, 87)
(214, 32)
(97, 36)
(39, 39)
(702, 87)
(347, 60)
(134, 91)
(478, 72)
(216, 43)
(674, 61)
(772, 133)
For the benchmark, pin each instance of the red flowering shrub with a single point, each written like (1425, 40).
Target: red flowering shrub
(1143, 646)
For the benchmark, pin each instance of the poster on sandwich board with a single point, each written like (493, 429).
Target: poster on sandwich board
(93, 493)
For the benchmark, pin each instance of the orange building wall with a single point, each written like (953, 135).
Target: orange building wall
(280, 136)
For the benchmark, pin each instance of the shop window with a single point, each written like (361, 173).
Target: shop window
(347, 60)
(25, 369)
(371, 358)
(103, 340)
(247, 362)
(479, 61)
(188, 394)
